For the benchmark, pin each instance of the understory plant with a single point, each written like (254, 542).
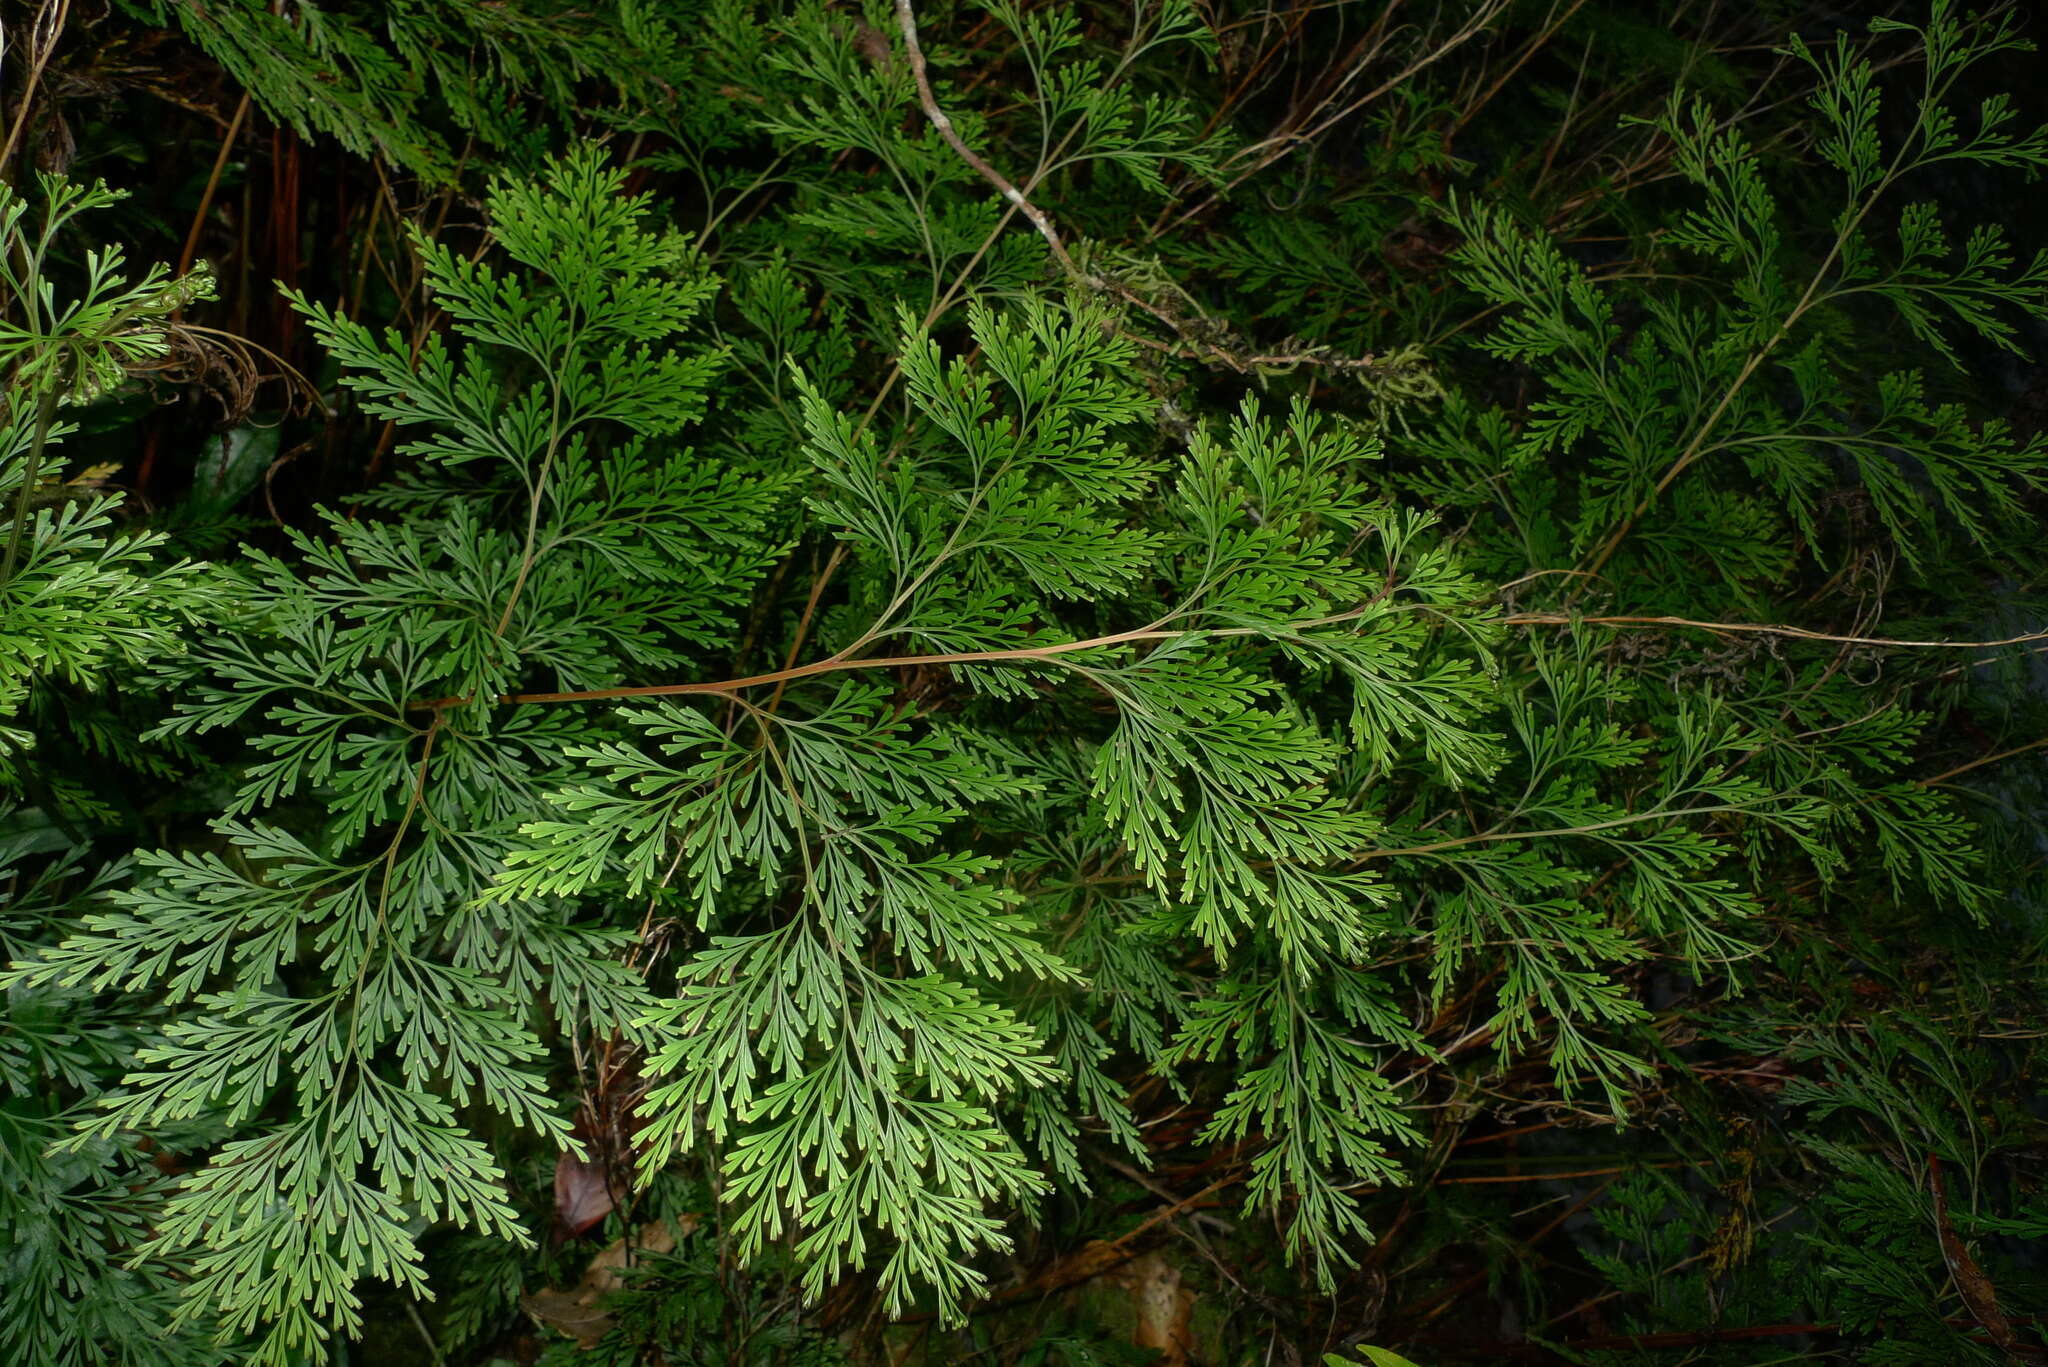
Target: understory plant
(865, 738)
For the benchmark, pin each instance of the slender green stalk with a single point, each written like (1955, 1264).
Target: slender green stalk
(46, 415)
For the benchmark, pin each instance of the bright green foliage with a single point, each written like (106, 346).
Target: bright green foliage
(376, 664)
(843, 1049)
(1371, 1356)
(83, 604)
(77, 600)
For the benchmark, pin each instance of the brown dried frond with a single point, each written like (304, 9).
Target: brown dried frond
(231, 370)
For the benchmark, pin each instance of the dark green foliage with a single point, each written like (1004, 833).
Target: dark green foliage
(925, 658)
(407, 80)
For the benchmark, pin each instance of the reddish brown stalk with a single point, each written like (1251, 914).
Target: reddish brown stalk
(1982, 760)
(220, 162)
(1304, 128)
(1558, 619)
(803, 624)
(835, 664)
(44, 31)
(1553, 1176)
(1471, 109)
(838, 664)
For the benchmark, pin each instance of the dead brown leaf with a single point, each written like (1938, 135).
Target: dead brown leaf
(1975, 1287)
(579, 1311)
(583, 1195)
(1164, 1308)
